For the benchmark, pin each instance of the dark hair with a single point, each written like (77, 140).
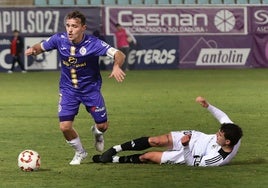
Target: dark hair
(117, 25)
(76, 15)
(15, 31)
(231, 132)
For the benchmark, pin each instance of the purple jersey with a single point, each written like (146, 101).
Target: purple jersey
(80, 80)
(80, 71)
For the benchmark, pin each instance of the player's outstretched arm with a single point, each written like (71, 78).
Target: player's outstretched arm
(217, 113)
(117, 72)
(34, 50)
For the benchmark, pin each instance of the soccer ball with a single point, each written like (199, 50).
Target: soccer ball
(29, 160)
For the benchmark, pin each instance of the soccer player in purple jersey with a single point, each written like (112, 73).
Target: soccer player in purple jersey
(189, 147)
(80, 80)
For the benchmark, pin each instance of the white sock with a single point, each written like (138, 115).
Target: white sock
(117, 148)
(115, 159)
(76, 144)
(97, 131)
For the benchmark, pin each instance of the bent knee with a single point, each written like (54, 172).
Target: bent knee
(66, 125)
(159, 141)
(153, 156)
(102, 126)
(154, 141)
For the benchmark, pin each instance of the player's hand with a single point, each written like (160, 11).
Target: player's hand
(202, 101)
(117, 73)
(186, 139)
(30, 51)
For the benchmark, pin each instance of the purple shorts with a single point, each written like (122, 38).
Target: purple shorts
(69, 103)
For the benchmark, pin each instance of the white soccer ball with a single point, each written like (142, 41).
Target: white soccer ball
(29, 160)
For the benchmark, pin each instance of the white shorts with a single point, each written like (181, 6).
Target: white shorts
(172, 157)
(176, 154)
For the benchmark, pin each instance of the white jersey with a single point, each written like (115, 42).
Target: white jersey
(203, 149)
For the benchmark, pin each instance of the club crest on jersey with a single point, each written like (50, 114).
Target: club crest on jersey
(83, 51)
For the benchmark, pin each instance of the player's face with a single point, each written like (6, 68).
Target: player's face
(75, 30)
(221, 140)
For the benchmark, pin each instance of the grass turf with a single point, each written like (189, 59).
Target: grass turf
(146, 103)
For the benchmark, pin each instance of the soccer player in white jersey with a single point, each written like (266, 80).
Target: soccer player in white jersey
(80, 80)
(189, 147)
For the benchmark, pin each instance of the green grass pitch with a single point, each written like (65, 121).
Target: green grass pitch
(146, 103)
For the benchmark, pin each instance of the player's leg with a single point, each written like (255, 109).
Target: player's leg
(138, 145)
(135, 158)
(134, 145)
(161, 141)
(152, 156)
(98, 130)
(95, 105)
(172, 157)
(68, 131)
(159, 157)
(72, 138)
(68, 108)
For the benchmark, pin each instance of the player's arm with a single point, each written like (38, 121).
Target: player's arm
(119, 58)
(34, 50)
(189, 159)
(217, 113)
